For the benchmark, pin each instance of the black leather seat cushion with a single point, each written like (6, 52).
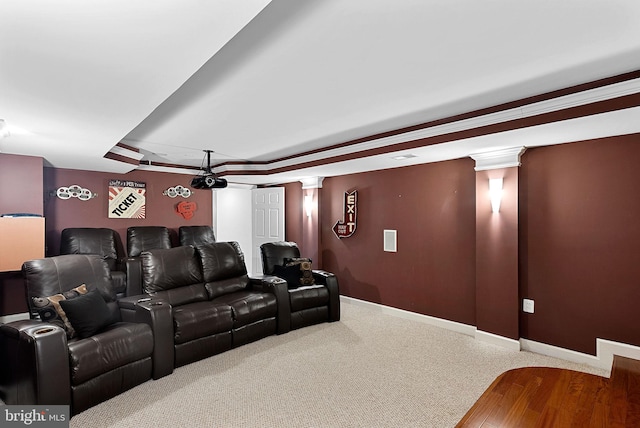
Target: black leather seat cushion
(86, 240)
(143, 238)
(249, 306)
(165, 269)
(196, 235)
(118, 345)
(308, 297)
(200, 319)
(223, 268)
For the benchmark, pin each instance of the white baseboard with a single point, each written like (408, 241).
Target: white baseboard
(494, 339)
(605, 349)
(469, 330)
(15, 317)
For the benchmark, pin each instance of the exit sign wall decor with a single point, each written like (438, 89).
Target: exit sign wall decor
(347, 226)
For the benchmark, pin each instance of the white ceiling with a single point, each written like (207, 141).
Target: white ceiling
(259, 80)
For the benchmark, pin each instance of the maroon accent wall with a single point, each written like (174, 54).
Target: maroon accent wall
(497, 255)
(311, 228)
(20, 192)
(293, 197)
(20, 184)
(580, 242)
(303, 230)
(160, 209)
(432, 207)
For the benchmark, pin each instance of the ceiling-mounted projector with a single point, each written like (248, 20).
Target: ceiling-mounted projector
(209, 179)
(208, 182)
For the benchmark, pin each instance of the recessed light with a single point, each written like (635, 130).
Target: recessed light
(404, 157)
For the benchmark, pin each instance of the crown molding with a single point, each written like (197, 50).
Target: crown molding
(389, 143)
(602, 96)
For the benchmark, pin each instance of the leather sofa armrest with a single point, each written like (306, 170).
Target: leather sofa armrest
(133, 269)
(121, 264)
(278, 287)
(35, 366)
(331, 282)
(128, 306)
(157, 313)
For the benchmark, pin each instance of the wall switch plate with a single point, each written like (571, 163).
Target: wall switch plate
(527, 305)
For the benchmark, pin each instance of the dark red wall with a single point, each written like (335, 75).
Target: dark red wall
(568, 237)
(20, 184)
(20, 192)
(580, 242)
(160, 209)
(293, 212)
(497, 255)
(578, 230)
(432, 207)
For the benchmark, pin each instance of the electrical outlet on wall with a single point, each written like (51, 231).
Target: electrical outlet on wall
(527, 306)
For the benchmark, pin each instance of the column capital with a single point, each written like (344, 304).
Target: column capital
(312, 182)
(497, 159)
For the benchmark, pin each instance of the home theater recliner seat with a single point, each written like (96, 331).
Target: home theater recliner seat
(139, 239)
(215, 305)
(196, 235)
(101, 241)
(49, 364)
(306, 304)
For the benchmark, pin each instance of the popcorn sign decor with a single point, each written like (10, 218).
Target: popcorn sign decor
(75, 191)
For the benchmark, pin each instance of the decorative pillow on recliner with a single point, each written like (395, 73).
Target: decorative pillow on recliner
(51, 312)
(291, 274)
(87, 313)
(304, 266)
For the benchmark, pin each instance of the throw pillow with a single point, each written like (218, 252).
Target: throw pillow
(51, 312)
(88, 313)
(291, 274)
(304, 264)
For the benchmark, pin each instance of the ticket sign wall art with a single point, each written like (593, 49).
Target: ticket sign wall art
(347, 226)
(127, 199)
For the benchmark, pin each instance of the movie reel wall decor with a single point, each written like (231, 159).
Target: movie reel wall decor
(75, 191)
(175, 191)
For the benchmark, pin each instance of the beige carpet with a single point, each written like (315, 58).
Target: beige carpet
(368, 370)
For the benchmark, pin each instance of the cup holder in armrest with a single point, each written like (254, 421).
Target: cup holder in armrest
(44, 330)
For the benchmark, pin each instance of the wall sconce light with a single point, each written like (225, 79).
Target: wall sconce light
(495, 192)
(308, 204)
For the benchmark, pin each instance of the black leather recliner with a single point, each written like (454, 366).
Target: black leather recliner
(215, 305)
(308, 304)
(139, 239)
(101, 241)
(85, 355)
(196, 235)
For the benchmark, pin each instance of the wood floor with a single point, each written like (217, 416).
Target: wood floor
(550, 397)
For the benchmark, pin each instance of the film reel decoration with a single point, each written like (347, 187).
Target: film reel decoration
(175, 191)
(75, 191)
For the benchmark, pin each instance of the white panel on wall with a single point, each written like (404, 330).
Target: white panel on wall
(274, 224)
(259, 220)
(260, 198)
(390, 240)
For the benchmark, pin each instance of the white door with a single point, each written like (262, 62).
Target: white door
(268, 220)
